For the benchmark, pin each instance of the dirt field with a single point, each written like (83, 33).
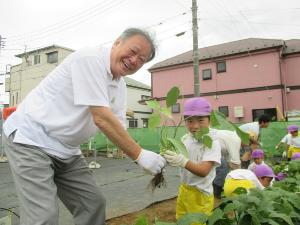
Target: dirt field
(164, 211)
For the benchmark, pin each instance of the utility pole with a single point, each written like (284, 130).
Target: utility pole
(195, 49)
(2, 42)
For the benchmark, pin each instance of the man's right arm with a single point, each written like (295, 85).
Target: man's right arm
(109, 124)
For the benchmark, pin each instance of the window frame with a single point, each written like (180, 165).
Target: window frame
(206, 78)
(224, 107)
(49, 54)
(176, 110)
(217, 65)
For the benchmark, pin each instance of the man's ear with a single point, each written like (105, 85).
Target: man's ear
(117, 42)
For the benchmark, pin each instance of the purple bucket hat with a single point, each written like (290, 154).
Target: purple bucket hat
(263, 171)
(292, 128)
(197, 107)
(257, 153)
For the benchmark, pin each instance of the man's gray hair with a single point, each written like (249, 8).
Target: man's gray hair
(136, 31)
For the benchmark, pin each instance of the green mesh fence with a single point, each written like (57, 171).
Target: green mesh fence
(149, 138)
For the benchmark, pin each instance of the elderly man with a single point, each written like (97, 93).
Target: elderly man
(84, 93)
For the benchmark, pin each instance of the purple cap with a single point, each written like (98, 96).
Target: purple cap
(296, 156)
(263, 170)
(292, 128)
(257, 153)
(280, 176)
(197, 107)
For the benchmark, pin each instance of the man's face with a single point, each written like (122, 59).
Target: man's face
(195, 123)
(129, 56)
(264, 124)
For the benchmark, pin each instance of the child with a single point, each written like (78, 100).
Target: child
(293, 141)
(258, 159)
(199, 169)
(261, 178)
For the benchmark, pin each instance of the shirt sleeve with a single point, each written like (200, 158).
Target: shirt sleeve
(213, 154)
(233, 145)
(89, 80)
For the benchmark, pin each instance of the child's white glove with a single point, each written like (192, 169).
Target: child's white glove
(175, 159)
(151, 161)
(284, 154)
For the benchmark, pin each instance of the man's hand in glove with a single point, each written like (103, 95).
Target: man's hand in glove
(151, 161)
(175, 159)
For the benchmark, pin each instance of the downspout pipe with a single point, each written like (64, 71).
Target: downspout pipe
(283, 82)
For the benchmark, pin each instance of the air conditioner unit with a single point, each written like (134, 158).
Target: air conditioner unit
(238, 111)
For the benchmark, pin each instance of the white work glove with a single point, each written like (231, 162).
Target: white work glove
(151, 161)
(284, 154)
(175, 159)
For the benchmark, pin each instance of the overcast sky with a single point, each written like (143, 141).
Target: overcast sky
(75, 24)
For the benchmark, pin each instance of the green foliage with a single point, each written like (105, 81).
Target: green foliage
(172, 96)
(219, 121)
(166, 142)
(202, 135)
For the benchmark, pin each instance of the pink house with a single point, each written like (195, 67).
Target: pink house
(243, 79)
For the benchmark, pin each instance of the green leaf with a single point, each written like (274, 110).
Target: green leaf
(153, 104)
(172, 96)
(178, 146)
(166, 111)
(154, 120)
(207, 141)
(199, 134)
(192, 218)
(282, 216)
(215, 216)
(240, 191)
(142, 220)
(214, 122)
(243, 135)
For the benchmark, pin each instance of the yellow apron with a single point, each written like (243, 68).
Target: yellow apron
(292, 150)
(231, 184)
(191, 200)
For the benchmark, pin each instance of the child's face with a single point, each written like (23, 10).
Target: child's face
(265, 181)
(258, 160)
(195, 123)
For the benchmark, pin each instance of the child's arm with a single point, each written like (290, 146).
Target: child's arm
(199, 169)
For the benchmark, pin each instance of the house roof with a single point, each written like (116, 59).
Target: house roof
(135, 83)
(43, 49)
(292, 46)
(221, 50)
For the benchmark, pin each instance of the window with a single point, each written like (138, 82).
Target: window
(145, 97)
(36, 59)
(256, 113)
(221, 67)
(224, 110)
(206, 74)
(145, 123)
(52, 57)
(176, 108)
(133, 123)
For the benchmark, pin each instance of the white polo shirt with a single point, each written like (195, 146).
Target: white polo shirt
(252, 127)
(230, 144)
(243, 174)
(55, 115)
(198, 152)
(293, 141)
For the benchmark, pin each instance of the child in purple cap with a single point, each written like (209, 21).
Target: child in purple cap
(260, 179)
(293, 141)
(198, 171)
(258, 159)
